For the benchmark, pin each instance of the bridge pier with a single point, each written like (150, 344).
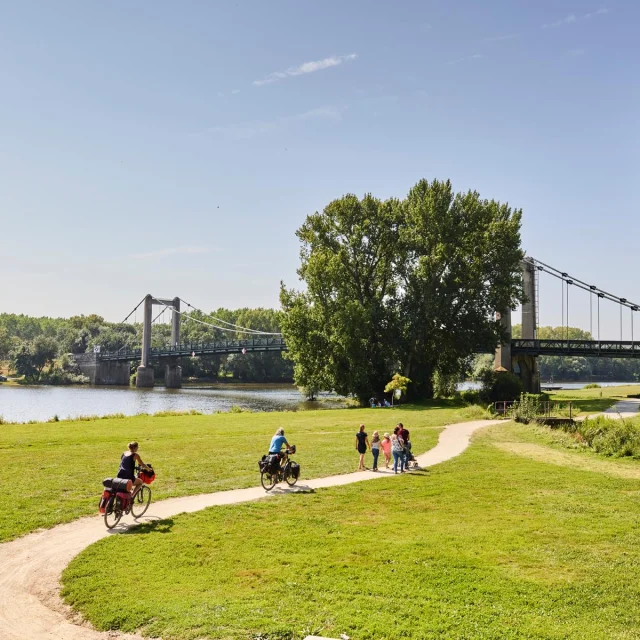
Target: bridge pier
(103, 372)
(173, 370)
(527, 365)
(145, 376)
(173, 376)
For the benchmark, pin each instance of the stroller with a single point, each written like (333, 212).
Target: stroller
(411, 459)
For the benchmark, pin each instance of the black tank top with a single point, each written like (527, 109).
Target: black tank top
(127, 468)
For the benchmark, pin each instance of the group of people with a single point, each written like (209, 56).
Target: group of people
(376, 404)
(397, 445)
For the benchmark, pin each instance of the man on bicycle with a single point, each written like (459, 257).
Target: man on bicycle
(276, 445)
(128, 462)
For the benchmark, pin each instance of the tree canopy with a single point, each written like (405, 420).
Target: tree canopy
(409, 285)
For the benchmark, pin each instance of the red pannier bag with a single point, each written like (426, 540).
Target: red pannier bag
(148, 477)
(102, 506)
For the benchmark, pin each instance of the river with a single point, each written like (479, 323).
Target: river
(24, 403)
(40, 403)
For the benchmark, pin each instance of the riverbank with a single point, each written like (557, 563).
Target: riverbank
(56, 468)
(496, 543)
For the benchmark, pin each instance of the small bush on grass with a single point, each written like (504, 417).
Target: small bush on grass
(593, 385)
(616, 438)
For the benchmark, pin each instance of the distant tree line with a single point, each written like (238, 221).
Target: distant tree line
(37, 348)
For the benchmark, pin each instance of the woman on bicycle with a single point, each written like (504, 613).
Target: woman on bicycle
(128, 462)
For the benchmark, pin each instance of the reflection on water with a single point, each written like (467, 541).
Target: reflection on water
(21, 404)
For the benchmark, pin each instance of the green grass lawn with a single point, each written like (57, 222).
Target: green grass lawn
(593, 400)
(497, 543)
(52, 472)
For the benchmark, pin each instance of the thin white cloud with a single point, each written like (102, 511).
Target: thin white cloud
(170, 251)
(247, 130)
(305, 67)
(509, 36)
(475, 56)
(572, 18)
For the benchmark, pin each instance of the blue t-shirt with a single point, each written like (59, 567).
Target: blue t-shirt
(276, 444)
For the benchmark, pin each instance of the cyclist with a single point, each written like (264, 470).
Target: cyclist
(128, 462)
(276, 445)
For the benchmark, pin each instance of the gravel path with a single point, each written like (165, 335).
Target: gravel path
(31, 566)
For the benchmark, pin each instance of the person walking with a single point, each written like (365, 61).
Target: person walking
(375, 449)
(385, 443)
(404, 434)
(397, 448)
(362, 444)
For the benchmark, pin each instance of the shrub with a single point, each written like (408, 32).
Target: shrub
(471, 396)
(592, 385)
(616, 438)
(526, 409)
(500, 385)
(444, 386)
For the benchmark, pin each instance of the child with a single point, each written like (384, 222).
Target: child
(385, 443)
(375, 449)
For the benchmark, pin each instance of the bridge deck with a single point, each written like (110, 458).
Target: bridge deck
(573, 348)
(224, 347)
(582, 348)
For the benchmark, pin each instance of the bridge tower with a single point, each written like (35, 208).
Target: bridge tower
(145, 375)
(528, 365)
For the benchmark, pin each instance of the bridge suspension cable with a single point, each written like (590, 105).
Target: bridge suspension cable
(215, 326)
(601, 294)
(240, 329)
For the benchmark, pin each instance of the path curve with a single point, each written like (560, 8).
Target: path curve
(31, 566)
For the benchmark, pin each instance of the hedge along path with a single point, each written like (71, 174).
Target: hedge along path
(31, 566)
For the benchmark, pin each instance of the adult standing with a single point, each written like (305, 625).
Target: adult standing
(362, 443)
(404, 434)
(397, 448)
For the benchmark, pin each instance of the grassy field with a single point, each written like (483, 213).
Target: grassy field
(593, 400)
(53, 471)
(517, 538)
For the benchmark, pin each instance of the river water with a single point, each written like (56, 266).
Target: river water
(24, 403)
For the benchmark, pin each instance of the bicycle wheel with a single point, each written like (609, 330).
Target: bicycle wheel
(268, 480)
(113, 512)
(141, 501)
(291, 479)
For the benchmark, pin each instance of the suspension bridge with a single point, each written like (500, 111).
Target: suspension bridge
(519, 355)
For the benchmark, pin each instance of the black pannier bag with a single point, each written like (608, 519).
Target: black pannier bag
(120, 485)
(274, 463)
(107, 482)
(295, 469)
(263, 464)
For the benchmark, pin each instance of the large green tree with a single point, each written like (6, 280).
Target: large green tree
(341, 333)
(410, 285)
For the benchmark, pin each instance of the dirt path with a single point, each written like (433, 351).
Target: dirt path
(30, 567)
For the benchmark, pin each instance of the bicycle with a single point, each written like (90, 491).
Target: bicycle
(288, 470)
(120, 503)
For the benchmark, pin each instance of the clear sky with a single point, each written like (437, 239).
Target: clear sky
(175, 147)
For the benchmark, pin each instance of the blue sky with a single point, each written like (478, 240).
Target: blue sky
(174, 148)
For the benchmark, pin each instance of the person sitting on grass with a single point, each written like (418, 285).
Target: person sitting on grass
(128, 461)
